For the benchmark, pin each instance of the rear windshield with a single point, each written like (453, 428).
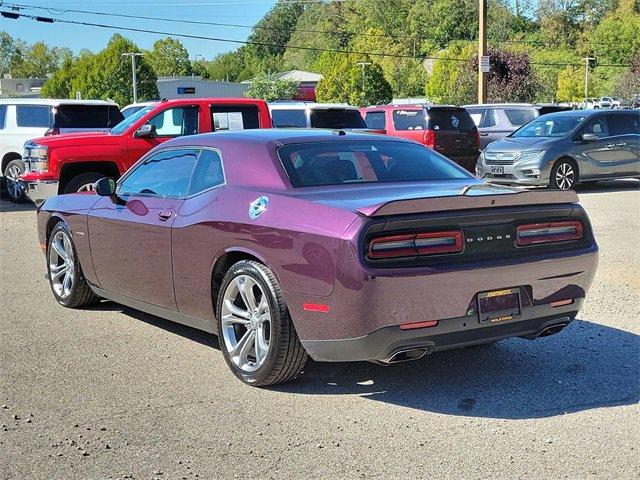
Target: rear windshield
(519, 116)
(336, 118)
(549, 126)
(289, 118)
(357, 161)
(450, 119)
(409, 119)
(87, 116)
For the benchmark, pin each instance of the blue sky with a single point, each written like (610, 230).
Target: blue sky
(77, 37)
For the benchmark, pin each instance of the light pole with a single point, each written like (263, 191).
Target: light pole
(586, 78)
(133, 56)
(363, 65)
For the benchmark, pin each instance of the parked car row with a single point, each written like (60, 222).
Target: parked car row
(605, 102)
(56, 164)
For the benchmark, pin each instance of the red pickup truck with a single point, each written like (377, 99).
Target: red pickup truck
(72, 163)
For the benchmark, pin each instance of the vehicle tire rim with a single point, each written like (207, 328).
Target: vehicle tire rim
(87, 187)
(13, 185)
(565, 176)
(61, 265)
(246, 323)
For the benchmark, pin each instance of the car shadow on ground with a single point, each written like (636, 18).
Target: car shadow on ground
(7, 205)
(627, 185)
(585, 366)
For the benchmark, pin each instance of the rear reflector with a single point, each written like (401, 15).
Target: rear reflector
(562, 303)
(315, 307)
(411, 326)
(411, 245)
(535, 233)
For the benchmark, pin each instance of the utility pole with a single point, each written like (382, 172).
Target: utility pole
(482, 52)
(133, 56)
(587, 60)
(363, 65)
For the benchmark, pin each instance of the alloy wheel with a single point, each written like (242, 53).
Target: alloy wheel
(12, 175)
(565, 176)
(61, 265)
(87, 187)
(246, 323)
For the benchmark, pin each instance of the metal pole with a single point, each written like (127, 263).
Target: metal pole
(482, 51)
(363, 65)
(586, 79)
(133, 56)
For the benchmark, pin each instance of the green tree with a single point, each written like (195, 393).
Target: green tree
(169, 57)
(571, 85)
(628, 84)
(105, 75)
(343, 81)
(444, 75)
(7, 52)
(265, 88)
(225, 67)
(617, 38)
(37, 61)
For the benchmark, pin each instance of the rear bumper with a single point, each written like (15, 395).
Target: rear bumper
(38, 191)
(382, 344)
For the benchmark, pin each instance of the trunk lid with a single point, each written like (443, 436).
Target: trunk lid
(455, 133)
(425, 197)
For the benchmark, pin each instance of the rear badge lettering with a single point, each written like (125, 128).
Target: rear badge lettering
(488, 239)
(258, 207)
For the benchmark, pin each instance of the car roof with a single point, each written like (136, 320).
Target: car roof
(501, 105)
(294, 105)
(411, 106)
(53, 101)
(280, 136)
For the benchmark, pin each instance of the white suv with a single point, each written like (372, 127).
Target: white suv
(24, 119)
(292, 114)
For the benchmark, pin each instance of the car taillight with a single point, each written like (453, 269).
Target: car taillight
(411, 245)
(536, 233)
(430, 138)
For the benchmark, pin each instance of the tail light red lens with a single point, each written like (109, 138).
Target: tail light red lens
(430, 138)
(411, 245)
(536, 233)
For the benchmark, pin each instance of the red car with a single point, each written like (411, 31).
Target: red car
(449, 130)
(73, 163)
(333, 245)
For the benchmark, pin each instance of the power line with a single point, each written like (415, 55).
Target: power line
(61, 11)
(16, 16)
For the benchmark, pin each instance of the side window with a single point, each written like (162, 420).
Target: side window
(176, 122)
(208, 172)
(33, 116)
(624, 124)
(165, 174)
(519, 116)
(375, 120)
(282, 118)
(483, 117)
(235, 117)
(597, 126)
(3, 115)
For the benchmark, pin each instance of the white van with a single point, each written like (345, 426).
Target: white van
(24, 119)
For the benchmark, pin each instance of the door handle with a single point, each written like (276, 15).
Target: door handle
(165, 214)
(623, 144)
(484, 134)
(610, 145)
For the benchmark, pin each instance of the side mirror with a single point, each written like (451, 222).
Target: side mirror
(106, 187)
(589, 137)
(146, 131)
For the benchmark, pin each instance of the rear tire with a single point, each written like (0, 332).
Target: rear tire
(12, 171)
(66, 279)
(564, 175)
(83, 182)
(256, 334)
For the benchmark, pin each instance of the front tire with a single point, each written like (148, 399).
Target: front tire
(564, 175)
(66, 279)
(11, 173)
(257, 337)
(83, 183)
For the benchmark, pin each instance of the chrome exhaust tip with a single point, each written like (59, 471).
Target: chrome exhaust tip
(551, 330)
(408, 355)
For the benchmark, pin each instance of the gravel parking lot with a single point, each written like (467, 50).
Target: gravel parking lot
(114, 393)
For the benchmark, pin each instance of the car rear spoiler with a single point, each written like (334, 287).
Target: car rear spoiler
(475, 196)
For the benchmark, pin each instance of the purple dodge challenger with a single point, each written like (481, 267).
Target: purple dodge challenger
(338, 246)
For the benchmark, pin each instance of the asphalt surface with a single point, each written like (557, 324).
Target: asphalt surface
(114, 393)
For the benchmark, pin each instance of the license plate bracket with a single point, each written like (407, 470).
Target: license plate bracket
(499, 305)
